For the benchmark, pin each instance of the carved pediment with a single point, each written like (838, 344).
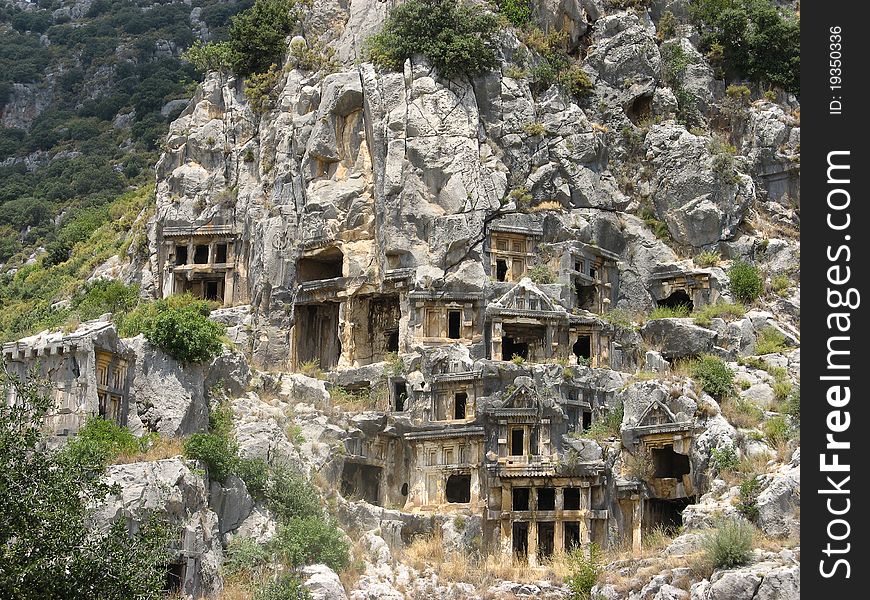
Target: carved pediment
(527, 296)
(656, 414)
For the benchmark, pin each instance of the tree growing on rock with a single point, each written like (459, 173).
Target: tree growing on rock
(456, 39)
(48, 548)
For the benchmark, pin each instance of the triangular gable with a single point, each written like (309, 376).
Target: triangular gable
(656, 414)
(527, 296)
(523, 397)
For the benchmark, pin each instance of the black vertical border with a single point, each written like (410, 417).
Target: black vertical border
(822, 133)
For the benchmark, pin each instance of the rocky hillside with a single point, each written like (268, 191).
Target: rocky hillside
(502, 299)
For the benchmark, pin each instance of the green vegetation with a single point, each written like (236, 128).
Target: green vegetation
(518, 12)
(456, 39)
(58, 555)
(620, 319)
(777, 431)
(730, 544)
(542, 274)
(751, 38)
(584, 571)
(556, 65)
(287, 587)
(747, 503)
(745, 281)
(724, 459)
(769, 341)
(714, 375)
(101, 441)
(309, 540)
(708, 258)
(722, 310)
(29, 295)
(179, 326)
(666, 28)
(675, 61)
(670, 312)
(793, 406)
(607, 427)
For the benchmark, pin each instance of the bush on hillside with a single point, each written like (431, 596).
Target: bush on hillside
(456, 39)
(730, 544)
(714, 375)
(745, 282)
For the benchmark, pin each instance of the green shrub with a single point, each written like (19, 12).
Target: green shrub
(730, 544)
(780, 284)
(244, 556)
(745, 281)
(101, 441)
(575, 81)
(104, 296)
(542, 274)
(620, 319)
(255, 473)
(667, 26)
(257, 35)
(179, 326)
(781, 390)
(518, 12)
(724, 458)
(290, 496)
(218, 452)
(584, 571)
(260, 89)
(769, 341)
(705, 315)
(777, 430)
(456, 39)
(747, 504)
(753, 38)
(286, 587)
(534, 129)
(315, 56)
(708, 258)
(305, 541)
(215, 56)
(670, 312)
(714, 375)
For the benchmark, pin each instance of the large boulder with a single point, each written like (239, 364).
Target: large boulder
(697, 189)
(323, 583)
(169, 397)
(678, 338)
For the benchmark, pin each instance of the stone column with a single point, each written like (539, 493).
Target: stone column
(533, 543)
(637, 522)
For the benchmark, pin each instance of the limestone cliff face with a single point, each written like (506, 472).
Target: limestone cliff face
(464, 222)
(405, 170)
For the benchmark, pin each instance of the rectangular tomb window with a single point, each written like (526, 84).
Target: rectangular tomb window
(571, 499)
(200, 254)
(220, 253)
(520, 498)
(518, 269)
(454, 324)
(572, 535)
(546, 535)
(587, 419)
(458, 488)
(546, 499)
(448, 456)
(517, 436)
(460, 399)
(181, 255)
(211, 290)
(400, 394)
(521, 540)
(501, 270)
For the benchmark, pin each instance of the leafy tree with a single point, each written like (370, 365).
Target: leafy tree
(456, 39)
(47, 547)
(752, 37)
(518, 12)
(258, 35)
(305, 541)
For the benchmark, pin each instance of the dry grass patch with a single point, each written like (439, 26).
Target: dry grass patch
(160, 448)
